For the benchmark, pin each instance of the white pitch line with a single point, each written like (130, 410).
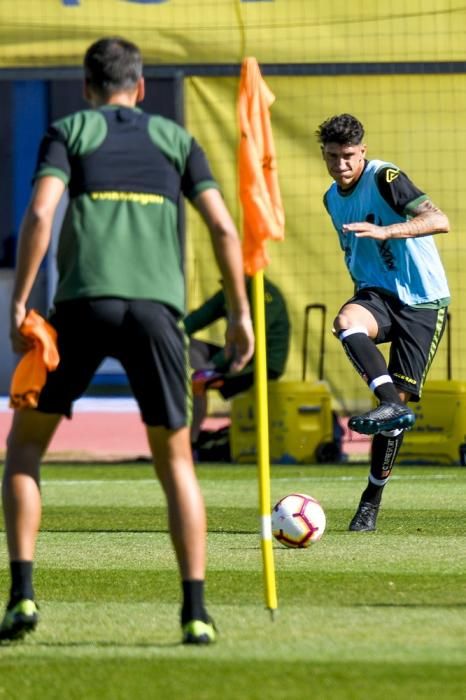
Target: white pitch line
(74, 482)
(395, 477)
(125, 404)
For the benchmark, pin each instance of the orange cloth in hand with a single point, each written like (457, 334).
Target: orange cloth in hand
(31, 372)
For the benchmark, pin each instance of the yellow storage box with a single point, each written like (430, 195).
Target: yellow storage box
(439, 434)
(300, 423)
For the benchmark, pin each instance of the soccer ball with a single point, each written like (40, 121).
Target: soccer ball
(298, 520)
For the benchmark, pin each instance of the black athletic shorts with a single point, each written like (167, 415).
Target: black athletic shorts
(414, 334)
(148, 339)
(201, 354)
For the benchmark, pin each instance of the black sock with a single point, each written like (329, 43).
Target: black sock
(387, 392)
(384, 452)
(369, 362)
(372, 493)
(193, 602)
(21, 581)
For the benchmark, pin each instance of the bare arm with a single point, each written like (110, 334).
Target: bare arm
(34, 239)
(227, 249)
(427, 219)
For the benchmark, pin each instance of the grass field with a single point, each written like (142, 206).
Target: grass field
(361, 615)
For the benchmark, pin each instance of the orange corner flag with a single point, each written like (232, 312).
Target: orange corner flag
(263, 215)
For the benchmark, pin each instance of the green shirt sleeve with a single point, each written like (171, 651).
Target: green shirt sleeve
(210, 311)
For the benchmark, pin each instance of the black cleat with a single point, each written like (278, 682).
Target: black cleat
(387, 416)
(199, 632)
(365, 518)
(19, 620)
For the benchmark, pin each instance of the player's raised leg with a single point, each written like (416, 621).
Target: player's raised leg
(357, 328)
(174, 466)
(29, 437)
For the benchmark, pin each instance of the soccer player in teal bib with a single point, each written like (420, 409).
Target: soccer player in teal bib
(120, 293)
(385, 225)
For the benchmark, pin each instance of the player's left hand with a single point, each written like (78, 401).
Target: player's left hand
(239, 343)
(363, 229)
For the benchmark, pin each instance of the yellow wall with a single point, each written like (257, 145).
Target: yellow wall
(50, 32)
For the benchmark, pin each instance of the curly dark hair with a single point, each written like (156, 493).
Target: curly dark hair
(342, 129)
(112, 64)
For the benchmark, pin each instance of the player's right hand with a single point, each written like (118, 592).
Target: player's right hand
(239, 343)
(19, 342)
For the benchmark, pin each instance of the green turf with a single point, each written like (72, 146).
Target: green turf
(361, 615)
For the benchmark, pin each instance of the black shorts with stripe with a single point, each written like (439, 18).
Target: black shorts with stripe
(146, 337)
(414, 334)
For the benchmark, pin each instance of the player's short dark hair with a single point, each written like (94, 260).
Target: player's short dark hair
(112, 64)
(342, 129)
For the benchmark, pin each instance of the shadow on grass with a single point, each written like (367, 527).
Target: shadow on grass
(147, 531)
(92, 645)
(433, 606)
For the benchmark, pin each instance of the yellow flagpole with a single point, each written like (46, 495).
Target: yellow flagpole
(262, 432)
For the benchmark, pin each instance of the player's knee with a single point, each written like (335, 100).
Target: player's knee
(338, 324)
(343, 322)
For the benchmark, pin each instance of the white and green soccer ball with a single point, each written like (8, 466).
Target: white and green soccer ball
(298, 520)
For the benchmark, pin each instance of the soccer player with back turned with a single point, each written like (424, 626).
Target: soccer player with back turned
(385, 225)
(120, 293)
